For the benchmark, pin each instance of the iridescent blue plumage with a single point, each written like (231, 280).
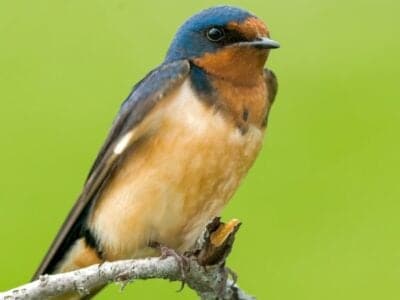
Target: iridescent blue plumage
(190, 40)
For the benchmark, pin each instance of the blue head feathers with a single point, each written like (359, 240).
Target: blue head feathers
(191, 40)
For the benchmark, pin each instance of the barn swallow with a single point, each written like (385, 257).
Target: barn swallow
(179, 147)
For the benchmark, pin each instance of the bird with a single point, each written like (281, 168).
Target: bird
(179, 147)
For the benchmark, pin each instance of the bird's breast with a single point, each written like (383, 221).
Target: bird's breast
(172, 182)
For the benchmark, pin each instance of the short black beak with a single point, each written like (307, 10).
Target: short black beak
(265, 43)
(262, 43)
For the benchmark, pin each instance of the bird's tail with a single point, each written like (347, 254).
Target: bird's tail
(80, 255)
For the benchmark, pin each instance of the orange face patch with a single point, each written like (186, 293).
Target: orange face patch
(238, 64)
(251, 28)
(241, 65)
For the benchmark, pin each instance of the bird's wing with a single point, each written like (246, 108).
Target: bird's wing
(272, 88)
(272, 85)
(144, 97)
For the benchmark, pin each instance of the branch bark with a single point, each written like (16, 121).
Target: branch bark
(209, 281)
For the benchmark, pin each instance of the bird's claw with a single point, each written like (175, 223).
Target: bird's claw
(182, 261)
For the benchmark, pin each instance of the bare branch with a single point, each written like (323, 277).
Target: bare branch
(209, 281)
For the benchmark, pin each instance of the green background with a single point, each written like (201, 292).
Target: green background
(320, 208)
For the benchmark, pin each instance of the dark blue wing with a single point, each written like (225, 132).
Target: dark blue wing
(272, 85)
(272, 88)
(144, 97)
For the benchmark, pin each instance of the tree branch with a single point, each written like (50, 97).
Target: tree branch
(209, 281)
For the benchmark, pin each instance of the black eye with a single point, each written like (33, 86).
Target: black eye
(215, 34)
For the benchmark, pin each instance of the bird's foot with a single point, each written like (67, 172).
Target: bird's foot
(182, 260)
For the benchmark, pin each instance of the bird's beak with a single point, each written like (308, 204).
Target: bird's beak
(261, 43)
(265, 43)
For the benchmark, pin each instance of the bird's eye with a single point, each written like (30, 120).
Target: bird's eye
(215, 34)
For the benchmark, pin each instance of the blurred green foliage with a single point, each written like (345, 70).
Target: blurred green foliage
(321, 206)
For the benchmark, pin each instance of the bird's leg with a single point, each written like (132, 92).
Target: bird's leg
(182, 260)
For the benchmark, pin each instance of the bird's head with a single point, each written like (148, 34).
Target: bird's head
(225, 41)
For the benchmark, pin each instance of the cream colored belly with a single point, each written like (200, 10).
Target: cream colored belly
(173, 182)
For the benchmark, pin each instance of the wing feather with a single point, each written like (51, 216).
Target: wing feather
(144, 97)
(272, 89)
(272, 84)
